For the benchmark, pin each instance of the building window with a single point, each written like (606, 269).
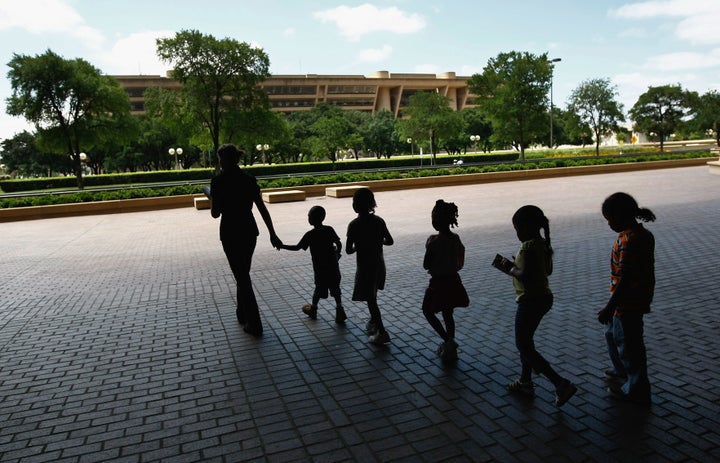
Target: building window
(290, 89)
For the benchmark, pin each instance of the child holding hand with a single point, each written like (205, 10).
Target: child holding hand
(325, 247)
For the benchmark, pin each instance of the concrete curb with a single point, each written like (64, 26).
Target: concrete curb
(169, 202)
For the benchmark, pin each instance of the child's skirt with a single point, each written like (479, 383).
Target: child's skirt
(445, 292)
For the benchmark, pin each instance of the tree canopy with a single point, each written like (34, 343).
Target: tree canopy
(73, 106)
(513, 92)
(429, 115)
(218, 77)
(595, 104)
(707, 117)
(660, 110)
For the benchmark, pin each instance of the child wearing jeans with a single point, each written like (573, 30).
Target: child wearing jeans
(325, 248)
(632, 284)
(444, 257)
(366, 236)
(530, 270)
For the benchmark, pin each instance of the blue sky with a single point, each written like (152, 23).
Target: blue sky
(636, 44)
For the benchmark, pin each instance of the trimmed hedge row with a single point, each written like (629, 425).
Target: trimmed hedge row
(130, 193)
(34, 184)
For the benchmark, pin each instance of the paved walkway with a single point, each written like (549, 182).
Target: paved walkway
(118, 340)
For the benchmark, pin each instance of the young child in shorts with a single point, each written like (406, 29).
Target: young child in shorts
(325, 250)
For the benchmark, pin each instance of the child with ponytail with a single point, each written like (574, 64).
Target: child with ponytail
(632, 284)
(530, 270)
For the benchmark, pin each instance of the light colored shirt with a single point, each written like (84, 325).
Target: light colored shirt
(534, 259)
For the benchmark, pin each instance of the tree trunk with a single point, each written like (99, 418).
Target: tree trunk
(78, 171)
(432, 147)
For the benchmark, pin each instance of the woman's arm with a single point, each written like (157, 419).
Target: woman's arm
(265, 214)
(387, 238)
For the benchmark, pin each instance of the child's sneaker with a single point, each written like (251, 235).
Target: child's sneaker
(379, 338)
(310, 311)
(522, 387)
(564, 392)
(340, 316)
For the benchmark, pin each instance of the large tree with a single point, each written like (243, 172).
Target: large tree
(707, 116)
(73, 106)
(477, 125)
(430, 115)
(23, 158)
(513, 92)
(331, 131)
(661, 110)
(218, 77)
(595, 103)
(381, 136)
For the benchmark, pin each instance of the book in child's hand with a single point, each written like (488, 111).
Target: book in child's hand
(502, 263)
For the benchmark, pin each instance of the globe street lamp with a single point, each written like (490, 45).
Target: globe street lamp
(176, 152)
(555, 60)
(263, 148)
(475, 139)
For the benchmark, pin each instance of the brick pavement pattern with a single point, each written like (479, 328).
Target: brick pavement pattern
(118, 338)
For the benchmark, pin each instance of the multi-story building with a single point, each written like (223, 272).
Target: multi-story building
(289, 93)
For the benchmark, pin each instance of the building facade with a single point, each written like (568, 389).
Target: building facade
(290, 93)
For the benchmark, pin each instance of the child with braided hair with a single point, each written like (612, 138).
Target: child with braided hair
(444, 257)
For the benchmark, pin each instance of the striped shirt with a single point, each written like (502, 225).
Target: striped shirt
(633, 261)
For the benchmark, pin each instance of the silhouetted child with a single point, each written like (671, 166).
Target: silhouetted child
(325, 248)
(632, 284)
(530, 270)
(444, 257)
(366, 235)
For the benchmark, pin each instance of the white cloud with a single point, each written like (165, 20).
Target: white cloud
(289, 32)
(655, 8)
(700, 29)
(48, 16)
(374, 55)
(698, 23)
(684, 60)
(135, 54)
(355, 22)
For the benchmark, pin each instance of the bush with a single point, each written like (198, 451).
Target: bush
(47, 183)
(342, 177)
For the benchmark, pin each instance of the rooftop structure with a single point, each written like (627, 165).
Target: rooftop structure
(290, 93)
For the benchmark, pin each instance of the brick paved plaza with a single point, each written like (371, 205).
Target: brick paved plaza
(118, 338)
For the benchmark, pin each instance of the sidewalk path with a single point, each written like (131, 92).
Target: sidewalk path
(118, 340)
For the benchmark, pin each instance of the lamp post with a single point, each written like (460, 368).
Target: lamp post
(555, 60)
(475, 139)
(412, 149)
(263, 148)
(175, 152)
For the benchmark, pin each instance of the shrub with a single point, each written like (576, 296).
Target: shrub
(341, 177)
